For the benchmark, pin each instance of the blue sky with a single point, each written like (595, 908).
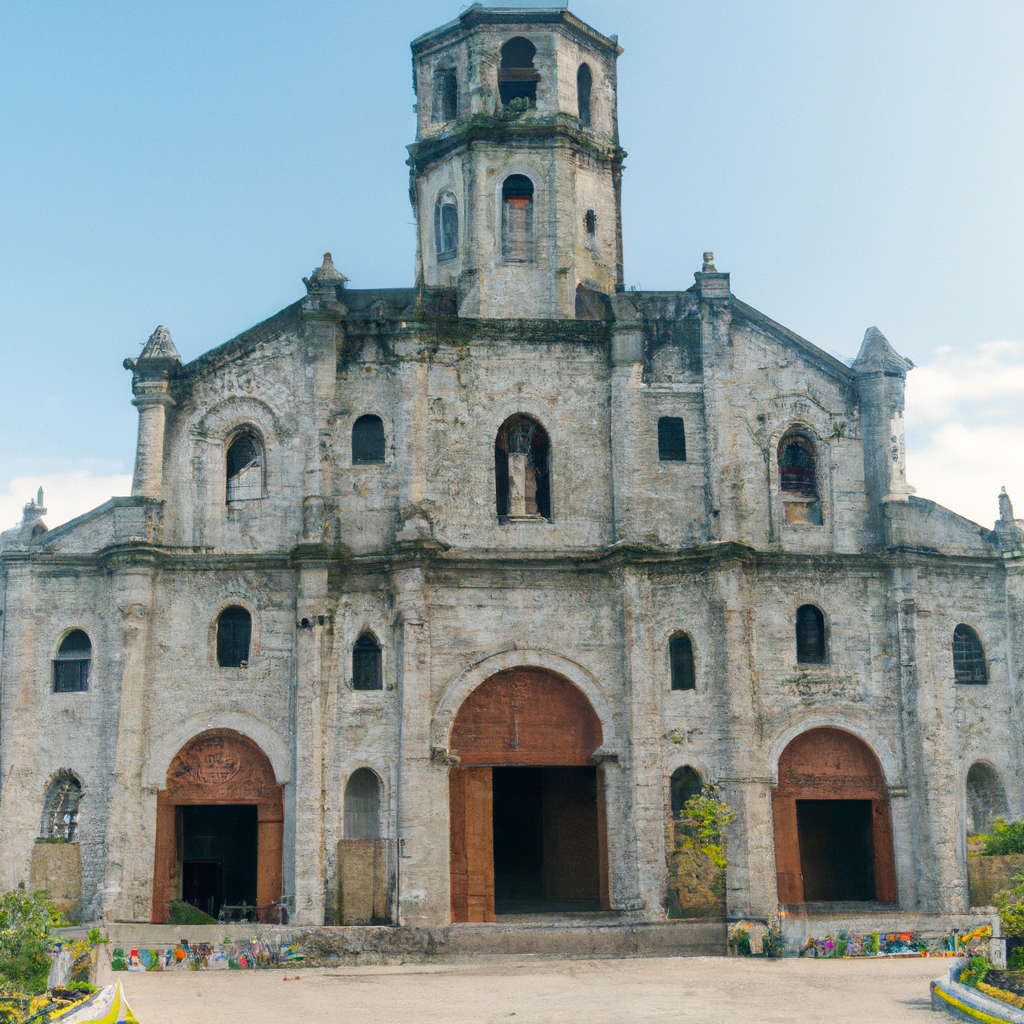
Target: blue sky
(849, 163)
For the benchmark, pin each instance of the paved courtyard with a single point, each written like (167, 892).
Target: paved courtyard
(534, 991)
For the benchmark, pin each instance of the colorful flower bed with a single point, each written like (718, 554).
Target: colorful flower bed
(202, 956)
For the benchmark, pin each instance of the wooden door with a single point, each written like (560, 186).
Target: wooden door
(472, 843)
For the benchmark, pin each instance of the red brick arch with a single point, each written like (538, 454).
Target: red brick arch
(830, 764)
(518, 717)
(526, 716)
(220, 766)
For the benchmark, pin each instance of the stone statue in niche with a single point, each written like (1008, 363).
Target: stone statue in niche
(522, 471)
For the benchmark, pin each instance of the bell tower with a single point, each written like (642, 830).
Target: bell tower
(516, 171)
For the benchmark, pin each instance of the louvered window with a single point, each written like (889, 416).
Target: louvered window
(810, 635)
(968, 656)
(366, 664)
(71, 666)
(245, 468)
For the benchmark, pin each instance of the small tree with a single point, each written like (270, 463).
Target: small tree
(1011, 908)
(27, 921)
(703, 818)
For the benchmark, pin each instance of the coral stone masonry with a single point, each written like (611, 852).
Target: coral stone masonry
(427, 599)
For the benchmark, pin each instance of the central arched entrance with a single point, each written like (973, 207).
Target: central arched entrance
(219, 828)
(526, 800)
(833, 832)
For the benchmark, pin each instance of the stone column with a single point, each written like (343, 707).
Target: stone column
(149, 454)
(131, 835)
(625, 382)
(312, 654)
(750, 878)
(642, 691)
(424, 896)
(934, 819)
(151, 376)
(20, 803)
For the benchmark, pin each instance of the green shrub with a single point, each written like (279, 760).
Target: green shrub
(184, 913)
(975, 972)
(773, 944)
(1015, 961)
(704, 817)
(94, 937)
(1011, 908)
(741, 941)
(27, 921)
(1005, 837)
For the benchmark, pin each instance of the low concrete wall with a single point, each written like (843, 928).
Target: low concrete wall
(987, 877)
(58, 867)
(574, 938)
(798, 928)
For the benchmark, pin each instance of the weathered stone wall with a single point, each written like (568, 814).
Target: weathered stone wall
(636, 550)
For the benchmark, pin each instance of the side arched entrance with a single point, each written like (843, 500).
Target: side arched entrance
(833, 830)
(527, 808)
(219, 828)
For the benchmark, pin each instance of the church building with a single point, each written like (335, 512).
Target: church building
(434, 604)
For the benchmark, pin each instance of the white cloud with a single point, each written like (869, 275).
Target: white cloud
(965, 423)
(65, 494)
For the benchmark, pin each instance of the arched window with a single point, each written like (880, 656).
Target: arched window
(968, 656)
(517, 219)
(671, 439)
(796, 465)
(245, 467)
(366, 663)
(446, 95)
(522, 469)
(367, 441)
(234, 634)
(60, 808)
(584, 83)
(446, 226)
(362, 805)
(810, 635)
(517, 77)
(986, 799)
(71, 666)
(686, 783)
(680, 652)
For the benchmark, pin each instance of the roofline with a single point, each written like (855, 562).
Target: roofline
(477, 14)
(840, 369)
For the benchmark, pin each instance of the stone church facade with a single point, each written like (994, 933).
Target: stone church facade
(432, 604)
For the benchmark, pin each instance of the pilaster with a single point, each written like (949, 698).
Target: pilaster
(424, 896)
(313, 637)
(128, 878)
(643, 694)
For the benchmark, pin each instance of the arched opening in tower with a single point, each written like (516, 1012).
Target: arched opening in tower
(517, 77)
(527, 802)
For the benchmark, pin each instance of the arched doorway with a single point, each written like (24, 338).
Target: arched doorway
(526, 800)
(833, 832)
(986, 798)
(219, 828)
